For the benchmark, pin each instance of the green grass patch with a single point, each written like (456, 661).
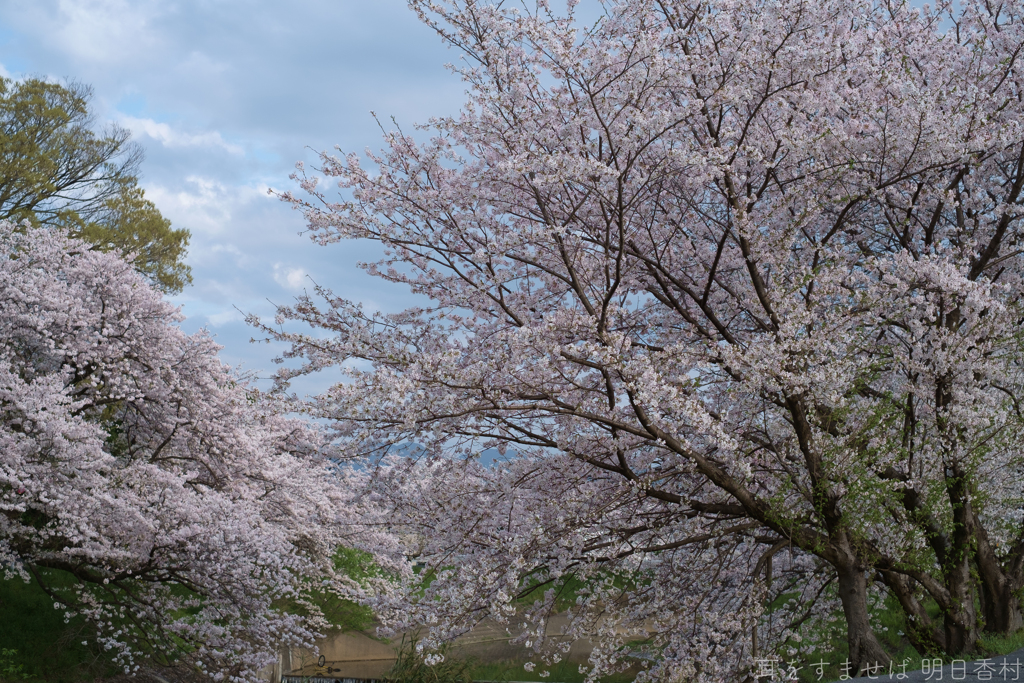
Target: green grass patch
(1002, 644)
(890, 630)
(411, 666)
(342, 614)
(38, 644)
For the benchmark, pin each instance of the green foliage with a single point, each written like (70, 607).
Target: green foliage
(1002, 644)
(132, 226)
(567, 589)
(890, 628)
(342, 615)
(9, 669)
(411, 666)
(56, 170)
(357, 565)
(39, 643)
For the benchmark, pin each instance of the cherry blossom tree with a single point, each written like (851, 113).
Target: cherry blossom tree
(733, 287)
(183, 507)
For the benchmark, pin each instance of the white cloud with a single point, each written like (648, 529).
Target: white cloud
(290, 278)
(196, 81)
(205, 206)
(98, 31)
(218, 319)
(170, 137)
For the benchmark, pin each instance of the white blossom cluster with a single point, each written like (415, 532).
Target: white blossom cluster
(733, 288)
(180, 502)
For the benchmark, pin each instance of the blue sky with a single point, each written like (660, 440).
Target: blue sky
(225, 96)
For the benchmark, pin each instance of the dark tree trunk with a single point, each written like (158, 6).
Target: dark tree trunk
(865, 649)
(960, 619)
(960, 615)
(1000, 605)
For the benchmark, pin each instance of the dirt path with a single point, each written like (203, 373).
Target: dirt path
(360, 655)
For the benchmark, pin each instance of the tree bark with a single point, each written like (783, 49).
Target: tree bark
(921, 631)
(960, 615)
(865, 649)
(960, 619)
(1000, 604)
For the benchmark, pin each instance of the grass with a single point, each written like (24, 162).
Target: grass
(37, 643)
(412, 667)
(40, 647)
(342, 615)
(891, 636)
(1003, 645)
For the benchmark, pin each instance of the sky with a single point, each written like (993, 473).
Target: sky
(225, 96)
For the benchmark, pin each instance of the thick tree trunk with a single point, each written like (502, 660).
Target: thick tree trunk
(1001, 609)
(865, 650)
(1000, 606)
(960, 619)
(960, 615)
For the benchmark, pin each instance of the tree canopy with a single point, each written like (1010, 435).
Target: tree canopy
(143, 485)
(57, 170)
(724, 283)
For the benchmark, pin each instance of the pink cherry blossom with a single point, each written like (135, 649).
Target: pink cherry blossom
(134, 461)
(733, 289)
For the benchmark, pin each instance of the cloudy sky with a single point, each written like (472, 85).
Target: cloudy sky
(225, 96)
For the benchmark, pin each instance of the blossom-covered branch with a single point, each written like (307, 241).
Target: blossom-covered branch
(716, 279)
